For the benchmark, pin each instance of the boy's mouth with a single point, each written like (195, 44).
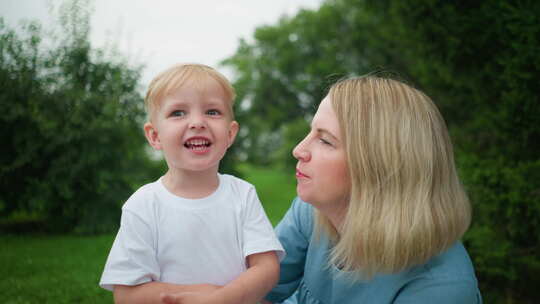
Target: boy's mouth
(197, 143)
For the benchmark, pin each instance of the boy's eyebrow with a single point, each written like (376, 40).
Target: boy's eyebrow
(174, 104)
(215, 103)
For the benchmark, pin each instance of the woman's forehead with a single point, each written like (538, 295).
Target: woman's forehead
(325, 118)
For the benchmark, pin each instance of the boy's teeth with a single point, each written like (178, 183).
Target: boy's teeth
(197, 142)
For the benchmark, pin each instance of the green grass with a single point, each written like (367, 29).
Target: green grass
(276, 189)
(53, 269)
(67, 269)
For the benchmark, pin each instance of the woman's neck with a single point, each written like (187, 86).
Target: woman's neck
(337, 220)
(335, 213)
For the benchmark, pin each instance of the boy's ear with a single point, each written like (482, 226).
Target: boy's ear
(152, 136)
(233, 130)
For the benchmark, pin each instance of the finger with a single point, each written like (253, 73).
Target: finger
(168, 299)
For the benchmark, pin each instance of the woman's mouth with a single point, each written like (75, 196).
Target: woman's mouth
(299, 174)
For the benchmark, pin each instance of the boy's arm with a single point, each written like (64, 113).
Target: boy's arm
(248, 288)
(151, 292)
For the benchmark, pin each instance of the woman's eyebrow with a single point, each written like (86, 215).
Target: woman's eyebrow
(326, 132)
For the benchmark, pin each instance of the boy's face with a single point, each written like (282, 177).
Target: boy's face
(193, 127)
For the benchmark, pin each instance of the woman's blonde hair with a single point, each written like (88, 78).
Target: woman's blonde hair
(173, 78)
(406, 203)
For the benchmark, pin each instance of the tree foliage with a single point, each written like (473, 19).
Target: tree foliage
(73, 148)
(477, 59)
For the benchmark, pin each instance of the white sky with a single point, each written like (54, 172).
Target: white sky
(159, 33)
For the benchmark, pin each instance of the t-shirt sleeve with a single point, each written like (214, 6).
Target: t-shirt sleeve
(259, 235)
(132, 259)
(294, 232)
(451, 290)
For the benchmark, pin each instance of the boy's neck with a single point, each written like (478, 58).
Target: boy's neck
(191, 184)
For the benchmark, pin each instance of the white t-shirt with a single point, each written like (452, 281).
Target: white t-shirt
(167, 238)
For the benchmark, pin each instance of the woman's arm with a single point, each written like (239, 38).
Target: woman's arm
(248, 288)
(294, 232)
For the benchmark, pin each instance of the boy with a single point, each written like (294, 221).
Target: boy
(193, 234)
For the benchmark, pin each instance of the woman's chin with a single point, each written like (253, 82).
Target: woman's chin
(303, 196)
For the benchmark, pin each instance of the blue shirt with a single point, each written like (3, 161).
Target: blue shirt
(306, 278)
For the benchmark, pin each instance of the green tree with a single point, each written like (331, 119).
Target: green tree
(73, 144)
(280, 79)
(478, 60)
(283, 75)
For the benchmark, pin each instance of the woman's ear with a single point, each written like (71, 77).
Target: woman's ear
(152, 136)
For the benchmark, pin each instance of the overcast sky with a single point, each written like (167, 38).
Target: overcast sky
(159, 33)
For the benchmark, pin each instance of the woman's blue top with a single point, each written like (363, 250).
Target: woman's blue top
(306, 278)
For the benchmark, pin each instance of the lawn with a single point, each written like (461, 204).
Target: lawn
(53, 269)
(276, 189)
(66, 269)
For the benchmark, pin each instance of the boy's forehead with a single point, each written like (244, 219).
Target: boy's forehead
(182, 99)
(200, 85)
(207, 95)
(203, 84)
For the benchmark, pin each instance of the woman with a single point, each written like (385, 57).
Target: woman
(380, 209)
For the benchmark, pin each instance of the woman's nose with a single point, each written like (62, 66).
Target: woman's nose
(300, 152)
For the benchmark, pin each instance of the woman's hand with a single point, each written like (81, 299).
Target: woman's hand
(203, 295)
(189, 298)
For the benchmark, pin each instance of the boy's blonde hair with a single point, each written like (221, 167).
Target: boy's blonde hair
(172, 79)
(407, 203)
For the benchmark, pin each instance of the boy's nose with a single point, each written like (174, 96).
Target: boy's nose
(197, 125)
(197, 122)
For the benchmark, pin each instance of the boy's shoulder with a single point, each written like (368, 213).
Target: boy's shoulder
(143, 197)
(236, 183)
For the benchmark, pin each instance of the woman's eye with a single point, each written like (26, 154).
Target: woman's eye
(178, 113)
(324, 141)
(213, 112)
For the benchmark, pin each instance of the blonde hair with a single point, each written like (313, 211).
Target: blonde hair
(406, 203)
(172, 79)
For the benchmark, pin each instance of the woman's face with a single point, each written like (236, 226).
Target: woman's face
(322, 174)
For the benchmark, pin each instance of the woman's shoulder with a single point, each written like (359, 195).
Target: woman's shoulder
(303, 211)
(298, 218)
(454, 261)
(302, 208)
(446, 277)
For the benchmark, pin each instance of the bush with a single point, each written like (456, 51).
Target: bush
(71, 126)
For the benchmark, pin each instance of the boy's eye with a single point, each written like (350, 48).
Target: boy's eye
(213, 112)
(178, 113)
